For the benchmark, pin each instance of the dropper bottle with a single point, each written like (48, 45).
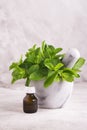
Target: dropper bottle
(30, 101)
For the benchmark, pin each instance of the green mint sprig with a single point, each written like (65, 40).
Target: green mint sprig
(44, 63)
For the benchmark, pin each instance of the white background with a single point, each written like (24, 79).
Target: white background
(23, 23)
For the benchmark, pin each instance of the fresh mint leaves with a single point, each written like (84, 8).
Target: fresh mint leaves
(80, 62)
(44, 63)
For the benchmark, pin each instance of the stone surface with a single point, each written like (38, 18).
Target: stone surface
(72, 117)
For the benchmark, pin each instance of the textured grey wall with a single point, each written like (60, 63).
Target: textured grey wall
(24, 22)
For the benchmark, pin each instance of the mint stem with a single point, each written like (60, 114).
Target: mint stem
(27, 82)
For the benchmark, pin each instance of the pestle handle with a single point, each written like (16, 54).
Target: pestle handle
(71, 57)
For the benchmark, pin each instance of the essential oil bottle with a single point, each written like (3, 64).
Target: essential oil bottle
(30, 101)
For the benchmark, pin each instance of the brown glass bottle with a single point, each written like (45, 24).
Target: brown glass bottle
(30, 102)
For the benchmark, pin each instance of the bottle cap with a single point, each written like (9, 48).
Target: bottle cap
(30, 89)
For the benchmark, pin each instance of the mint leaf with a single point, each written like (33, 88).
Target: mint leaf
(58, 66)
(36, 76)
(26, 64)
(68, 77)
(57, 78)
(48, 64)
(71, 71)
(79, 64)
(31, 49)
(43, 47)
(13, 65)
(57, 50)
(50, 79)
(17, 74)
(33, 68)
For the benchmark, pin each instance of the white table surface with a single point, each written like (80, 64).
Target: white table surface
(72, 117)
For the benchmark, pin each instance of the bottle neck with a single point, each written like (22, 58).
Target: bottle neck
(30, 90)
(29, 93)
